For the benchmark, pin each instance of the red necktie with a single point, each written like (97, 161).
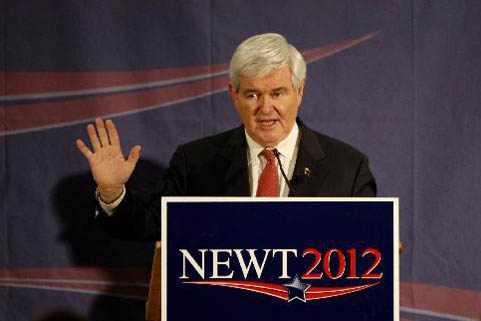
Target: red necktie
(269, 180)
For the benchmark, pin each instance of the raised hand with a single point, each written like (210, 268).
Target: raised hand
(109, 167)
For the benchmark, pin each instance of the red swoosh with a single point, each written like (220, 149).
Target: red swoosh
(279, 291)
(441, 299)
(119, 282)
(114, 101)
(136, 291)
(322, 293)
(48, 114)
(21, 83)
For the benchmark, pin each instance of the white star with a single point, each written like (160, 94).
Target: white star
(296, 289)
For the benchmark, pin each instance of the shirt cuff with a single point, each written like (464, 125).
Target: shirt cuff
(109, 208)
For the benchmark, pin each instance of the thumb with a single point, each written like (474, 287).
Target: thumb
(134, 155)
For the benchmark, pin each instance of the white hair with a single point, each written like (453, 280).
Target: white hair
(261, 54)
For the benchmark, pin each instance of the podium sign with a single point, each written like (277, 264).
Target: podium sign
(243, 259)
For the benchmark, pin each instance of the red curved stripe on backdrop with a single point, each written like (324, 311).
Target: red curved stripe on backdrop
(96, 274)
(124, 282)
(328, 50)
(66, 111)
(28, 82)
(441, 299)
(38, 115)
(20, 82)
(109, 289)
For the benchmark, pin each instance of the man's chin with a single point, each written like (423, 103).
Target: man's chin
(267, 137)
(266, 142)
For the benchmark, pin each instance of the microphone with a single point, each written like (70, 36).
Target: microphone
(277, 154)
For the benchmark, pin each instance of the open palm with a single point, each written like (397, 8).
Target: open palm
(110, 169)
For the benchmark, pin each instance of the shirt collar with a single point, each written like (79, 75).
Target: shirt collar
(285, 147)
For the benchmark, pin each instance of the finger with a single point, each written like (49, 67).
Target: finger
(83, 148)
(104, 139)
(94, 139)
(112, 131)
(134, 155)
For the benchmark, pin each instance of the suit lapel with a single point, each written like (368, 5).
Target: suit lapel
(309, 171)
(237, 174)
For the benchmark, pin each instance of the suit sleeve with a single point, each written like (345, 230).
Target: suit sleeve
(138, 216)
(364, 183)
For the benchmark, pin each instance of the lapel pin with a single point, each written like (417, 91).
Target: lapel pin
(307, 171)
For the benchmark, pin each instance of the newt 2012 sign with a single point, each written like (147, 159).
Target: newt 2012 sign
(264, 259)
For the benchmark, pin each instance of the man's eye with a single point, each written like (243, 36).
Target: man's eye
(252, 96)
(277, 94)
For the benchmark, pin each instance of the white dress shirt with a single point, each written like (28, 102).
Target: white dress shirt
(287, 148)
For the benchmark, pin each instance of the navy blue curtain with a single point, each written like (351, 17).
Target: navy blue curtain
(399, 80)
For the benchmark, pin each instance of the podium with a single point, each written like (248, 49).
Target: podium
(254, 259)
(152, 306)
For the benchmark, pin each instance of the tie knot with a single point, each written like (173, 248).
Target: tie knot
(269, 155)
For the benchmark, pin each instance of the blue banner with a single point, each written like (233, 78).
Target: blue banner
(301, 259)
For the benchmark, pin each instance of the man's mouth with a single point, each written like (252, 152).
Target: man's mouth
(267, 123)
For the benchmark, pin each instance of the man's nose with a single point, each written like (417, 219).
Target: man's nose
(266, 104)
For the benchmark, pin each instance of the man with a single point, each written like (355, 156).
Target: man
(272, 154)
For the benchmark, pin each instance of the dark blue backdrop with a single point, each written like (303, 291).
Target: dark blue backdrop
(408, 96)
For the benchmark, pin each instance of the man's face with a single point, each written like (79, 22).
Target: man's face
(267, 105)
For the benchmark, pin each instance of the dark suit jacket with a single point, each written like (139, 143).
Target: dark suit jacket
(217, 166)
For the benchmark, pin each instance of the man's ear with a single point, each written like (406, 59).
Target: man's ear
(234, 95)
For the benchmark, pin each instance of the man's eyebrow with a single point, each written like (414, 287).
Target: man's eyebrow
(248, 90)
